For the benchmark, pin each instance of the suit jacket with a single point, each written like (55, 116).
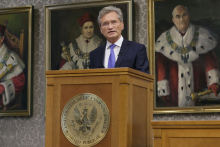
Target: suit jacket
(131, 54)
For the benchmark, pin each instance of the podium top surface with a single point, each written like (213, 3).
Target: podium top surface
(100, 71)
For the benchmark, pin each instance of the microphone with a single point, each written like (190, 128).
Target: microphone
(120, 54)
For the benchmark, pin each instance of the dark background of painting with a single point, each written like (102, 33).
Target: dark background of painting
(16, 23)
(202, 12)
(65, 27)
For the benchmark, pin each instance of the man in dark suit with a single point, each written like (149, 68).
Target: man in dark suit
(117, 52)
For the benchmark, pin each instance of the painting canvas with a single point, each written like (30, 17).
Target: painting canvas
(186, 47)
(72, 32)
(15, 61)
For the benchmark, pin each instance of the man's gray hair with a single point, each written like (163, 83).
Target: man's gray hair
(182, 7)
(107, 10)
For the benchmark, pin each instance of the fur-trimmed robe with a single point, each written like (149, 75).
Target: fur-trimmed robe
(14, 80)
(177, 79)
(84, 47)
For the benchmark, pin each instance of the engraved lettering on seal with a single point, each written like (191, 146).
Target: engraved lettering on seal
(85, 120)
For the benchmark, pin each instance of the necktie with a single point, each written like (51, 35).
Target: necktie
(111, 60)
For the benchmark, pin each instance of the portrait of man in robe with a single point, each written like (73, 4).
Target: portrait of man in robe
(76, 55)
(15, 62)
(187, 54)
(74, 34)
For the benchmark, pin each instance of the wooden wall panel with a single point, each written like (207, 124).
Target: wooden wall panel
(139, 117)
(49, 118)
(195, 142)
(186, 133)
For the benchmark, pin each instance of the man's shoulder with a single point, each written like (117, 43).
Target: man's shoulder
(98, 49)
(172, 29)
(6, 50)
(163, 36)
(205, 31)
(133, 43)
(79, 38)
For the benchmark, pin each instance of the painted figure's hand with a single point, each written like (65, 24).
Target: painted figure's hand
(166, 98)
(215, 88)
(68, 66)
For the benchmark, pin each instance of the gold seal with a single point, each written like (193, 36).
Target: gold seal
(85, 120)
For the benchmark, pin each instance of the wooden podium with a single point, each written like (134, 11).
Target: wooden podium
(128, 94)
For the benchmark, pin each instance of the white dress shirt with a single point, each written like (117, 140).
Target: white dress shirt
(116, 50)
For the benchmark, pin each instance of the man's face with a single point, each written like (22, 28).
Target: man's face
(87, 30)
(111, 27)
(181, 18)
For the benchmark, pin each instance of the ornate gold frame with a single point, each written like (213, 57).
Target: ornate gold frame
(103, 3)
(151, 50)
(29, 11)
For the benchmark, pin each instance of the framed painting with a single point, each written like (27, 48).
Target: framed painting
(15, 61)
(183, 38)
(66, 38)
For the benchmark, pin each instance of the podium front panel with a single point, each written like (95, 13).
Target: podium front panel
(126, 93)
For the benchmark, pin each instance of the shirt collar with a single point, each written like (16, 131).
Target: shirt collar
(117, 43)
(86, 39)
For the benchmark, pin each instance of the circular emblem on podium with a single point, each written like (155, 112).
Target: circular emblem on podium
(85, 120)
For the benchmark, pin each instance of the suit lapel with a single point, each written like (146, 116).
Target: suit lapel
(123, 51)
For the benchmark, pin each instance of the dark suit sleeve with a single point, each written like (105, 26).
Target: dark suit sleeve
(142, 63)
